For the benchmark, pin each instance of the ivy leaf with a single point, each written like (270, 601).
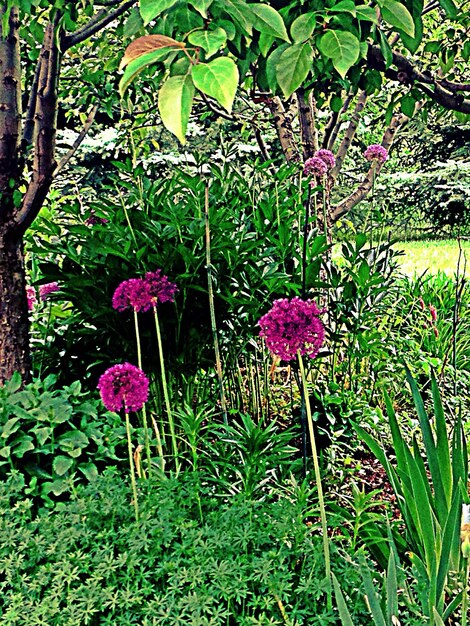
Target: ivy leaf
(150, 9)
(217, 79)
(397, 15)
(293, 66)
(175, 100)
(208, 40)
(62, 464)
(268, 20)
(302, 27)
(342, 47)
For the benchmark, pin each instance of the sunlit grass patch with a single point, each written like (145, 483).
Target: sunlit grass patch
(434, 257)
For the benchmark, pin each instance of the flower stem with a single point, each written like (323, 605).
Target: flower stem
(165, 390)
(131, 465)
(321, 501)
(218, 362)
(144, 410)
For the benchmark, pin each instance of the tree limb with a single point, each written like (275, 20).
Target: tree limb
(409, 74)
(283, 124)
(76, 144)
(374, 170)
(349, 135)
(334, 124)
(308, 131)
(97, 23)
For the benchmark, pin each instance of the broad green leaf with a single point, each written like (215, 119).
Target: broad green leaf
(22, 445)
(345, 6)
(150, 9)
(265, 42)
(10, 427)
(217, 79)
(148, 43)
(14, 383)
(385, 49)
(268, 20)
(344, 614)
(293, 67)
(175, 100)
(135, 67)
(450, 8)
(407, 105)
(397, 15)
(342, 47)
(201, 6)
(302, 27)
(209, 40)
(238, 12)
(366, 13)
(62, 464)
(271, 66)
(89, 470)
(133, 24)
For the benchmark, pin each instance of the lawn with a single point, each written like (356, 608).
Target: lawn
(434, 256)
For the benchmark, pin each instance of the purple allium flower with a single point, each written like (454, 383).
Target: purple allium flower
(293, 325)
(160, 288)
(93, 219)
(315, 167)
(327, 157)
(132, 294)
(48, 288)
(124, 386)
(376, 153)
(31, 297)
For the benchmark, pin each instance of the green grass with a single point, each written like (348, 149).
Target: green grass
(434, 256)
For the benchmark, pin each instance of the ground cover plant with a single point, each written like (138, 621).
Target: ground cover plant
(208, 413)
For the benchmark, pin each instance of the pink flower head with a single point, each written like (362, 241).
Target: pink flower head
(433, 313)
(327, 157)
(48, 288)
(132, 294)
(421, 303)
(315, 166)
(31, 297)
(293, 325)
(123, 386)
(93, 219)
(160, 288)
(376, 153)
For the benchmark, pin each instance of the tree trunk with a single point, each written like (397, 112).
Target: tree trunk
(14, 324)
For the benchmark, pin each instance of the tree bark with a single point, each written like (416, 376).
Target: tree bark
(14, 324)
(283, 125)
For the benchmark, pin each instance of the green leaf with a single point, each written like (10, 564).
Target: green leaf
(268, 20)
(345, 6)
(450, 8)
(407, 105)
(342, 47)
(293, 67)
(366, 13)
(201, 6)
(137, 65)
(133, 24)
(302, 27)
(392, 589)
(238, 11)
(62, 464)
(265, 42)
(175, 100)
(14, 383)
(397, 15)
(217, 79)
(11, 426)
(271, 66)
(209, 40)
(344, 614)
(22, 445)
(372, 597)
(89, 470)
(150, 9)
(385, 49)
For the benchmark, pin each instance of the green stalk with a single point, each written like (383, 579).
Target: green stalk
(316, 466)
(144, 410)
(165, 390)
(131, 465)
(218, 362)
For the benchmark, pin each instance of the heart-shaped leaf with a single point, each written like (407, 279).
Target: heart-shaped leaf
(150, 9)
(293, 66)
(397, 15)
(208, 40)
(217, 79)
(342, 47)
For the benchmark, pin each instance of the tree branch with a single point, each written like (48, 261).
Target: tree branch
(409, 74)
(308, 131)
(334, 124)
(283, 124)
(78, 141)
(374, 170)
(349, 135)
(97, 23)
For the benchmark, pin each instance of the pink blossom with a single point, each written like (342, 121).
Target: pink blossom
(433, 313)
(160, 288)
(48, 288)
(291, 326)
(376, 153)
(327, 157)
(123, 386)
(315, 167)
(132, 294)
(31, 297)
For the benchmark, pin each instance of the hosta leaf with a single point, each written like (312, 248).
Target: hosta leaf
(175, 100)
(342, 47)
(397, 15)
(208, 40)
(150, 9)
(146, 44)
(268, 20)
(293, 67)
(62, 464)
(217, 79)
